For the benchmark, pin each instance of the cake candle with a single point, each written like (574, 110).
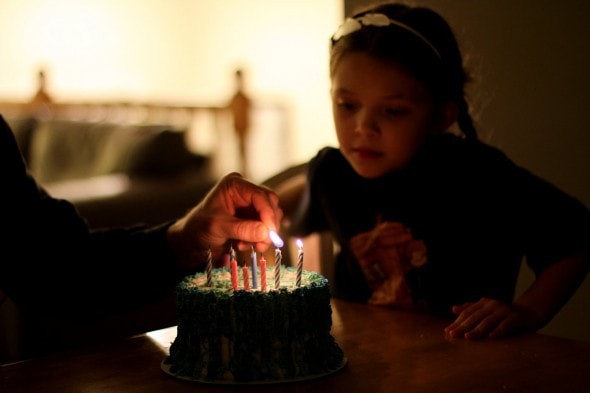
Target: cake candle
(234, 274)
(254, 270)
(278, 258)
(278, 242)
(232, 253)
(246, 280)
(262, 274)
(209, 266)
(299, 262)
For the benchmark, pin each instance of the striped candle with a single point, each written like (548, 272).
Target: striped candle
(209, 266)
(278, 242)
(278, 258)
(299, 262)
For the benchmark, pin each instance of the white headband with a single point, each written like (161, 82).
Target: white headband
(351, 25)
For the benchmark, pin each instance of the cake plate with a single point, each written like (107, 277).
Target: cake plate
(166, 368)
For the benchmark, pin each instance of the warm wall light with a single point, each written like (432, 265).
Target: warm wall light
(178, 50)
(73, 31)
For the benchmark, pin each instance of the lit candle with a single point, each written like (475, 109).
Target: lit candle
(262, 274)
(278, 258)
(278, 242)
(245, 274)
(234, 273)
(254, 270)
(209, 266)
(299, 262)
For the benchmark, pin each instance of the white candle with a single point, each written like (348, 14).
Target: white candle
(254, 270)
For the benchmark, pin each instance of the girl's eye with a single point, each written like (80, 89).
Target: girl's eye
(345, 105)
(395, 111)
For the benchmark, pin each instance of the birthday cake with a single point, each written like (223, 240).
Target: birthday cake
(253, 335)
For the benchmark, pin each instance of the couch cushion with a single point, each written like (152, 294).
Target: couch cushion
(22, 128)
(153, 151)
(65, 150)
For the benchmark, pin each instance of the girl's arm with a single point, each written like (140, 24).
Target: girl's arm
(555, 286)
(530, 312)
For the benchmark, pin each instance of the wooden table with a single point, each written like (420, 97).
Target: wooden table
(387, 351)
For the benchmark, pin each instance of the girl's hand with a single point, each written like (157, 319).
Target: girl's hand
(490, 318)
(380, 252)
(383, 235)
(385, 255)
(387, 250)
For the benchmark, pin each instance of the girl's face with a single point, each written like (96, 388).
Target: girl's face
(382, 114)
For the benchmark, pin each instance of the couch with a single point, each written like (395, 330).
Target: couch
(115, 174)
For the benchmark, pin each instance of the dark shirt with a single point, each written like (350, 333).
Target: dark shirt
(52, 263)
(478, 213)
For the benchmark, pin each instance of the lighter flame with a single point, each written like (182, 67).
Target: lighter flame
(276, 240)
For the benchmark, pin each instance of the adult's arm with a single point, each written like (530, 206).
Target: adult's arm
(51, 259)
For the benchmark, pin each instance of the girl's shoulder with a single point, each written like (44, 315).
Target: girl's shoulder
(329, 167)
(328, 155)
(469, 154)
(468, 147)
(327, 160)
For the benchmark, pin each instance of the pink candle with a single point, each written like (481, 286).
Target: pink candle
(246, 281)
(262, 274)
(234, 274)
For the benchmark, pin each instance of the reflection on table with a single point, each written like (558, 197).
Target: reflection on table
(387, 351)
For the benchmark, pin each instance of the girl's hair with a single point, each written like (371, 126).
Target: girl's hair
(417, 38)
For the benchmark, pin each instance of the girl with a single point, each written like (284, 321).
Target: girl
(427, 218)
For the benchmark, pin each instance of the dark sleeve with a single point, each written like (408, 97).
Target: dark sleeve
(550, 224)
(50, 260)
(309, 217)
(557, 225)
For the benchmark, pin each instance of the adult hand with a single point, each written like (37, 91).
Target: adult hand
(235, 209)
(491, 318)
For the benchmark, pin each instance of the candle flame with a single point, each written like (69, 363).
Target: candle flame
(299, 243)
(276, 240)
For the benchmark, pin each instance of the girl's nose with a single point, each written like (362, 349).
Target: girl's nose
(366, 123)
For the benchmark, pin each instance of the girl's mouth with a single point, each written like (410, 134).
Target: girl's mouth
(366, 154)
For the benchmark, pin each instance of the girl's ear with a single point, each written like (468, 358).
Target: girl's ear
(449, 114)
